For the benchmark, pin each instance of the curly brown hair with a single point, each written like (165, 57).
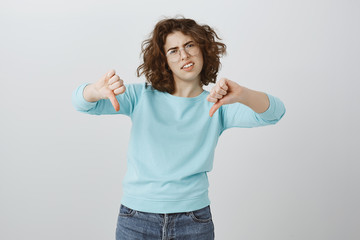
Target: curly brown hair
(155, 67)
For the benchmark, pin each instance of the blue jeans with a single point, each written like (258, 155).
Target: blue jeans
(137, 225)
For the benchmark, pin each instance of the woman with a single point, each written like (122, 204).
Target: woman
(175, 128)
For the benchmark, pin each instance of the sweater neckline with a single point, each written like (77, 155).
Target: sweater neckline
(202, 95)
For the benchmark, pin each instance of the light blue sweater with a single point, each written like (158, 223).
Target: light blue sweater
(172, 143)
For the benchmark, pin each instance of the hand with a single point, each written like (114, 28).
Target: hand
(109, 86)
(224, 92)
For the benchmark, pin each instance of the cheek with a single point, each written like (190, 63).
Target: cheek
(201, 60)
(201, 64)
(171, 66)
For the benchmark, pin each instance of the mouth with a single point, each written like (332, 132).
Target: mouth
(188, 65)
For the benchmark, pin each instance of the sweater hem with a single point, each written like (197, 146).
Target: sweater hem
(166, 206)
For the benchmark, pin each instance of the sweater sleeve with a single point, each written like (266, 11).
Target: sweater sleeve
(240, 115)
(127, 101)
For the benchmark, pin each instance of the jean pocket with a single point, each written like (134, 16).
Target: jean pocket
(126, 211)
(202, 215)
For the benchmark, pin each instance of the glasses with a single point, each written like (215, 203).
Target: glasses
(192, 49)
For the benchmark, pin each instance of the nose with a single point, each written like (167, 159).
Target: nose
(183, 56)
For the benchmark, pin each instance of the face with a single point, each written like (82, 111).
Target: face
(176, 41)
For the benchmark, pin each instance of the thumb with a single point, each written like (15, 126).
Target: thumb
(113, 100)
(110, 93)
(215, 107)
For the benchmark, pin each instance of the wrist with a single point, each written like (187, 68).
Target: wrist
(91, 94)
(243, 94)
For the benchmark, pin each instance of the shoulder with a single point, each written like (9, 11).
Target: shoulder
(138, 89)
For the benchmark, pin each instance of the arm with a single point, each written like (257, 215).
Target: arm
(243, 107)
(257, 101)
(229, 92)
(103, 96)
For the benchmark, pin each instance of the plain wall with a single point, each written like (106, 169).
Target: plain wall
(61, 170)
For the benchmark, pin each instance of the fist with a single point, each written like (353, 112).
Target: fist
(109, 86)
(224, 92)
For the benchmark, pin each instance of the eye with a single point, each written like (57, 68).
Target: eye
(190, 45)
(172, 52)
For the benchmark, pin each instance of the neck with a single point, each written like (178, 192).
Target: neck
(187, 89)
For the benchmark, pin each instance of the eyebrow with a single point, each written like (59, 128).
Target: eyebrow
(177, 47)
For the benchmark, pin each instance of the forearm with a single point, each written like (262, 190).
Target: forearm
(256, 100)
(90, 94)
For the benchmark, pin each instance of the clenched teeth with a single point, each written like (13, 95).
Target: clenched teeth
(188, 65)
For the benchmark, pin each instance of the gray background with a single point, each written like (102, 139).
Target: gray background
(61, 171)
